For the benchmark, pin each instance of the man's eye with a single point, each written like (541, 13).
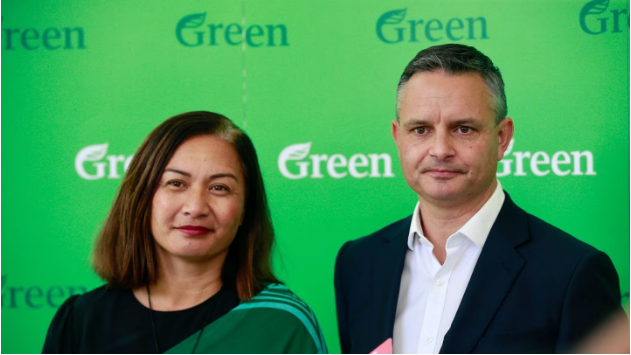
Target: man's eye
(464, 129)
(420, 130)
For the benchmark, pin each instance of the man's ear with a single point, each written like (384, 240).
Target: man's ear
(504, 135)
(395, 131)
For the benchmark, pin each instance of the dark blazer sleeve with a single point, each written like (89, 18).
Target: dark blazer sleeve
(340, 300)
(592, 296)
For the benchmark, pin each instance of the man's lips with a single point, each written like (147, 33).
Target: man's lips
(193, 230)
(442, 173)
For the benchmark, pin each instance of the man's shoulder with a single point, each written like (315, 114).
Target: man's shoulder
(539, 236)
(555, 241)
(372, 242)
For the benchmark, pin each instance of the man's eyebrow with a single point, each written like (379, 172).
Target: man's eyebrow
(211, 177)
(457, 122)
(416, 122)
(461, 121)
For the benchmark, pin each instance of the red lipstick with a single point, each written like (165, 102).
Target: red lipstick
(193, 230)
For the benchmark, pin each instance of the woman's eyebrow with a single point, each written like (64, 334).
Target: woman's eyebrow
(177, 171)
(211, 177)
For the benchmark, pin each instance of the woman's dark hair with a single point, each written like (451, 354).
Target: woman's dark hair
(124, 254)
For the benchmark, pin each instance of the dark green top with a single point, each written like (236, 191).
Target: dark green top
(275, 322)
(113, 321)
(108, 320)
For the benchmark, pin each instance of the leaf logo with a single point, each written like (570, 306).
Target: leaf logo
(596, 7)
(93, 152)
(192, 21)
(392, 17)
(296, 151)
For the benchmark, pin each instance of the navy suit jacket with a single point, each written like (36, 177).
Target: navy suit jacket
(534, 289)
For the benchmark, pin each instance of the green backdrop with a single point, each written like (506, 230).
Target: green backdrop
(85, 82)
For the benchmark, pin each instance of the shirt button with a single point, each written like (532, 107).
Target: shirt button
(428, 339)
(440, 282)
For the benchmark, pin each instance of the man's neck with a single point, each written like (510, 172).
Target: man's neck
(442, 219)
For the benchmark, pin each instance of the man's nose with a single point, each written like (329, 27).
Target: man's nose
(442, 146)
(197, 203)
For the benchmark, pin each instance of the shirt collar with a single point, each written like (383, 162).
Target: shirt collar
(476, 229)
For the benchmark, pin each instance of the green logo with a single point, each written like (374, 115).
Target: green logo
(394, 27)
(193, 31)
(295, 162)
(540, 163)
(51, 38)
(594, 18)
(92, 163)
(36, 296)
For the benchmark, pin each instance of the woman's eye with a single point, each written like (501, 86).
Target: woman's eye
(175, 183)
(219, 188)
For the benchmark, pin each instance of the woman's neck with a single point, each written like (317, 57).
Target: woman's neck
(182, 284)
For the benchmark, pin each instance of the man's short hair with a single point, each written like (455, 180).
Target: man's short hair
(459, 59)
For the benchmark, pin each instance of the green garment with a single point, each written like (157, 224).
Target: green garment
(274, 321)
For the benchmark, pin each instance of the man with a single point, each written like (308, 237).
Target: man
(469, 271)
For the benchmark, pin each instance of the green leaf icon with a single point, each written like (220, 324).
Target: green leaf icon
(193, 20)
(597, 7)
(393, 17)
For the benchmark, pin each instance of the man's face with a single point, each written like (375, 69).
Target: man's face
(447, 139)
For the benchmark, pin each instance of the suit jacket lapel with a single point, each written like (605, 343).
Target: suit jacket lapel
(388, 279)
(496, 270)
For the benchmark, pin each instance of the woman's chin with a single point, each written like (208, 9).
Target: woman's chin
(196, 254)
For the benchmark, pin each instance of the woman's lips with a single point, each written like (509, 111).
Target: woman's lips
(193, 230)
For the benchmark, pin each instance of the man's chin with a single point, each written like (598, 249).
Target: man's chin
(442, 192)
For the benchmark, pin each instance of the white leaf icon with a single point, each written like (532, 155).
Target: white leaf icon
(294, 152)
(93, 152)
(297, 151)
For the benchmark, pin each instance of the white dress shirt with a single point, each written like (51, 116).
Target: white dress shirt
(430, 293)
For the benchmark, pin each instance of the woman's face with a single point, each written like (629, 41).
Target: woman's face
(199, 203)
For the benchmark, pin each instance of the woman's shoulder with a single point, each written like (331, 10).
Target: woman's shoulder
(99, 299)
(281, 295)
(89, 305)
(63, 332)
(279, 292)
(278, 296)
(287, 311)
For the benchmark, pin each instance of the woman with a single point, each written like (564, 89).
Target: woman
(186, 254)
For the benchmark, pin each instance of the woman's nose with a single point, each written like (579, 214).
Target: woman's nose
(196, 203)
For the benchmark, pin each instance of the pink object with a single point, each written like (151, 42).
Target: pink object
(384, 348)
